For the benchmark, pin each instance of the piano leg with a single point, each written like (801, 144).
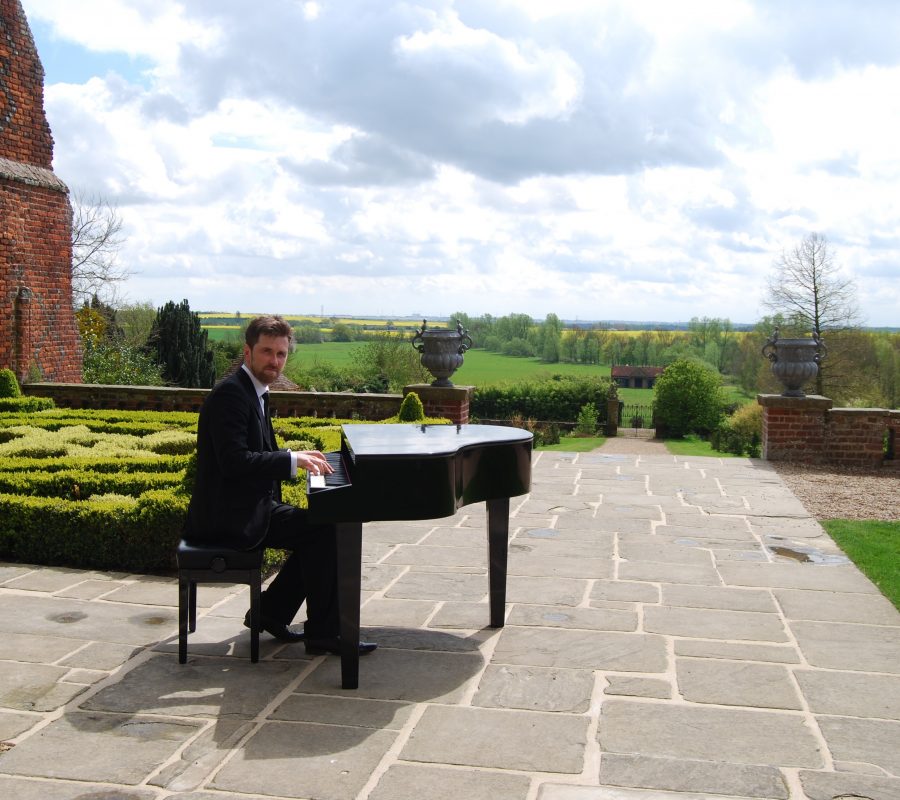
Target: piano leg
(498, 540)
(349, 570)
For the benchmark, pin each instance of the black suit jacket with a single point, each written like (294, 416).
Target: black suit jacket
(238, 468)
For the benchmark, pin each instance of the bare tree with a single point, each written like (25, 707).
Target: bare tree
(96, 239)
(809, 290)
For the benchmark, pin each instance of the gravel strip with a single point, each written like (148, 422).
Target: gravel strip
(845, 493)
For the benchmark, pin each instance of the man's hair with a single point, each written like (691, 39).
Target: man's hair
(268, 326)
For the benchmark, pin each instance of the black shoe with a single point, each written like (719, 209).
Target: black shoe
(274, 628)
(318, 647)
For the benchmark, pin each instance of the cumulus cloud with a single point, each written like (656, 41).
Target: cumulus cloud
(608, 160)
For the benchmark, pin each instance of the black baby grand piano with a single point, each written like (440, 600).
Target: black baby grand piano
(404, 472)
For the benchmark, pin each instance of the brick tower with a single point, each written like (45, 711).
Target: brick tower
(38, 332)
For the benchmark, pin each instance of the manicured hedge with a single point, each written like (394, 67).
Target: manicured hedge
(145, 462)
(134, 535)
(107, 489)
(559, 399)
(82, 484)
(25, 404)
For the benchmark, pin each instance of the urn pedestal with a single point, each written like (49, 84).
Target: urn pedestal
(442, 350)
(795, 362)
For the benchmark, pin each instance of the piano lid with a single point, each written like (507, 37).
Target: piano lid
(400, 440)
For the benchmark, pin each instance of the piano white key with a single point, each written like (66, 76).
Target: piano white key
(315, 481)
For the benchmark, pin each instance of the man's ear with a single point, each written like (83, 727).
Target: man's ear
(247, 354)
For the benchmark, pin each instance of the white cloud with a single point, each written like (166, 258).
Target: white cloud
(615, 160)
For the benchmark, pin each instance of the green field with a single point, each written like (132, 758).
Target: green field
(480, 367)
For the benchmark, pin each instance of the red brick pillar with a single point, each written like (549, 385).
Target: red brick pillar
(450, 402)
(794, 428)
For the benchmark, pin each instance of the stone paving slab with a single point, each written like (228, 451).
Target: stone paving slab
(523, 740)
(664, 640)
(419, 781)
(674, 775)
(114, 748)
(708, 734)
(332, 762)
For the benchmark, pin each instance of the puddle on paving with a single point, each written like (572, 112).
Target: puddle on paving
(803, 553)
(788, 553)
(68, 617)
(542, 533)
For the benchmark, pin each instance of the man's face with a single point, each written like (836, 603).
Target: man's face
(267, 357)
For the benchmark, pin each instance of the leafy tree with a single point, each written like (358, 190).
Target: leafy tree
(688, 398)
(517, 347)
(341, 332)
(179, 345)
(549, 339)
(809, 290)
(119, 364)
(388, 363)
(136, 322)
(308, 334)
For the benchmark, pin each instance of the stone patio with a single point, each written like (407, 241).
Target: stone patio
(677, 629)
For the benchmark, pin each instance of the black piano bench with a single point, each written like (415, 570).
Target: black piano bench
(206, 563)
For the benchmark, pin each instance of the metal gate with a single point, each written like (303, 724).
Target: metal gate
(635, 415)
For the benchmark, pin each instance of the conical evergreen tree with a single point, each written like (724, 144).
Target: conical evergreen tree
(179, 345)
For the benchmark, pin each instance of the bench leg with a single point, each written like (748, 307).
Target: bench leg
(255, 603)
(184, 602)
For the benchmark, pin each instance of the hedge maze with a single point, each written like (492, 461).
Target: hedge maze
(109, 489)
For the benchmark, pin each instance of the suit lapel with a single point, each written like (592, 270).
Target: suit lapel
(253, 398)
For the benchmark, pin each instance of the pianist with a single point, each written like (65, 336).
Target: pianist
(237, 494)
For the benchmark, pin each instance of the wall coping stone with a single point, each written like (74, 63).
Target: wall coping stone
(31, 175)
(812, 402)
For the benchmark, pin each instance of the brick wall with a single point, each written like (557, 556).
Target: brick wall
(167, 398)
(453, 400)
(38, 331)
(809, 430)
(449, 402)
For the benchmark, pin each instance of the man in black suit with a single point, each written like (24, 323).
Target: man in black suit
(237, 493)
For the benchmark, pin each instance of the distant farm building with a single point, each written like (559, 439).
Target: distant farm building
(635, 377)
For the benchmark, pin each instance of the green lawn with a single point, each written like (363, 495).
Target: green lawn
(693, 446)
(575, 444)
(874, 547)
(480, 367)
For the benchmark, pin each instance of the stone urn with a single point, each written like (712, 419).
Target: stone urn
(442, 350)
(795, 362)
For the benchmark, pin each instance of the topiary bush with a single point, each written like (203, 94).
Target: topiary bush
(9, 386)
(411, 409)
(688, 398)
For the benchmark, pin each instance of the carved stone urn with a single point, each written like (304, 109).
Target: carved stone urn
(442, 350)
(795, 362)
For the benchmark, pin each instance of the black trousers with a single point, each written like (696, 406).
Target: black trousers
(310, 572)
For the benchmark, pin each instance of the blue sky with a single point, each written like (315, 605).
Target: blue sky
(594, 159)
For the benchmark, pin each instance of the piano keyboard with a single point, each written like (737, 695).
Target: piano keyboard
(336, 478)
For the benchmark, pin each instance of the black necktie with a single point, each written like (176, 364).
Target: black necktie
(270, 434)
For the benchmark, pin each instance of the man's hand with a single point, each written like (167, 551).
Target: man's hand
(314, 461)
